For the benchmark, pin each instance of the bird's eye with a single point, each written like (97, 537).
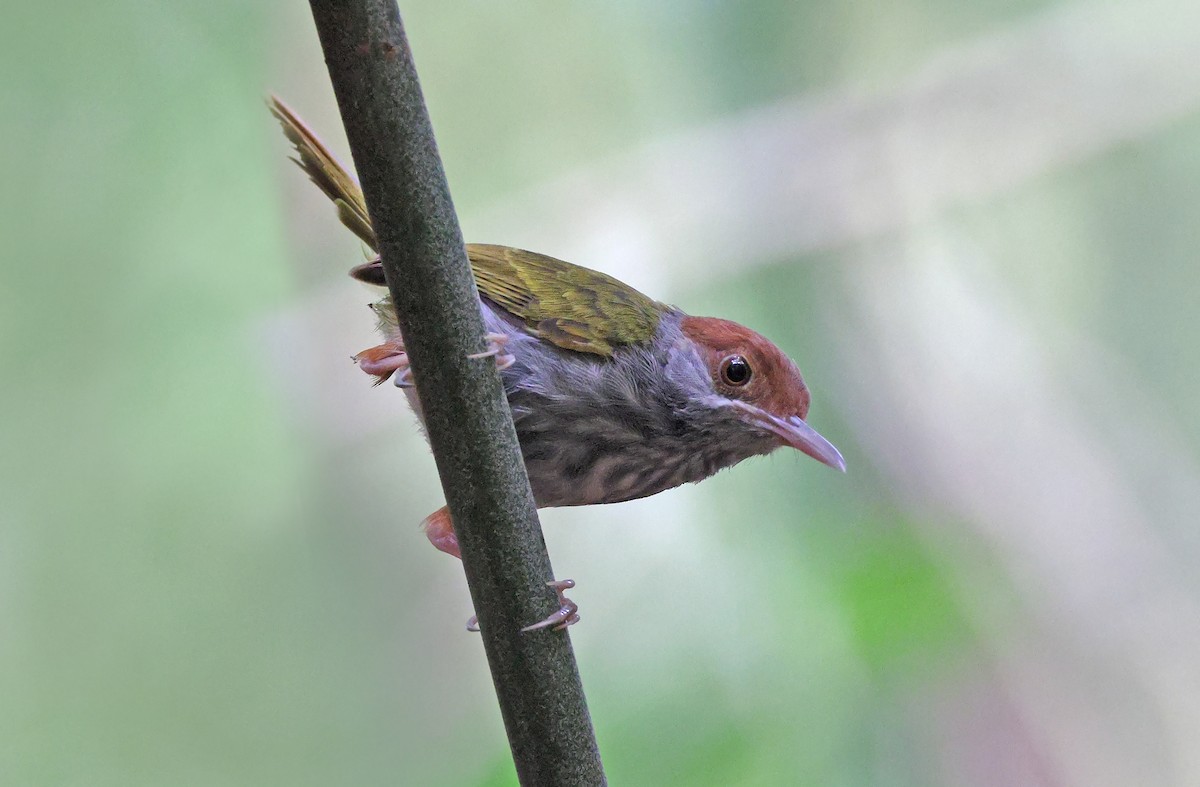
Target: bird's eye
(735, 371)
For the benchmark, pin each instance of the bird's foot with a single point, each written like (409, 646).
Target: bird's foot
(496, 343)
(439, 529)
(567, 614)
(568, 610)
(384, 360)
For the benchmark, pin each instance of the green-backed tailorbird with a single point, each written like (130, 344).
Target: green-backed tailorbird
(615, 396)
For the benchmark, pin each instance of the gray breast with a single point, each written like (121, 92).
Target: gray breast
(597, 430)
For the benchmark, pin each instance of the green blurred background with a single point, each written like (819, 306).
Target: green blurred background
(973, 224)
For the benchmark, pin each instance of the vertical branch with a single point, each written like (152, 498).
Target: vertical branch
(469, 424)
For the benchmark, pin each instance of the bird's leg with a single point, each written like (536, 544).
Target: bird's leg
(496, 343)
(440, 532)
(439, 529)
(383, 360)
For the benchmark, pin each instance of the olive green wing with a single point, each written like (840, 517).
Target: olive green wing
(567, 305)
(572, 307)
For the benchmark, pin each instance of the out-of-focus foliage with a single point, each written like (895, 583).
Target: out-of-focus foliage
(210, 571)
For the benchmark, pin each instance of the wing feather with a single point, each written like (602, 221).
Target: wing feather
(570, 306)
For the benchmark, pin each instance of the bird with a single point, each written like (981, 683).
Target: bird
(615, 396)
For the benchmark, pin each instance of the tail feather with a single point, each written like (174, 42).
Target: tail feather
(327, 172)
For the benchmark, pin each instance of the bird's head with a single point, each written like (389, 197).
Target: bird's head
(758, 385)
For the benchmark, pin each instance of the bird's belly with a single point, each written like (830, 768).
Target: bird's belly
(611, 479)
(588, 476)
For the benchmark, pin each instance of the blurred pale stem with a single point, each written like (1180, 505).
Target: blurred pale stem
(468, 421)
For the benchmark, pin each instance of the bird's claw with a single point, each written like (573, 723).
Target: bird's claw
(391, 359)
(384, 360)
(568, 610)
(567, 614)
(495, 348)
